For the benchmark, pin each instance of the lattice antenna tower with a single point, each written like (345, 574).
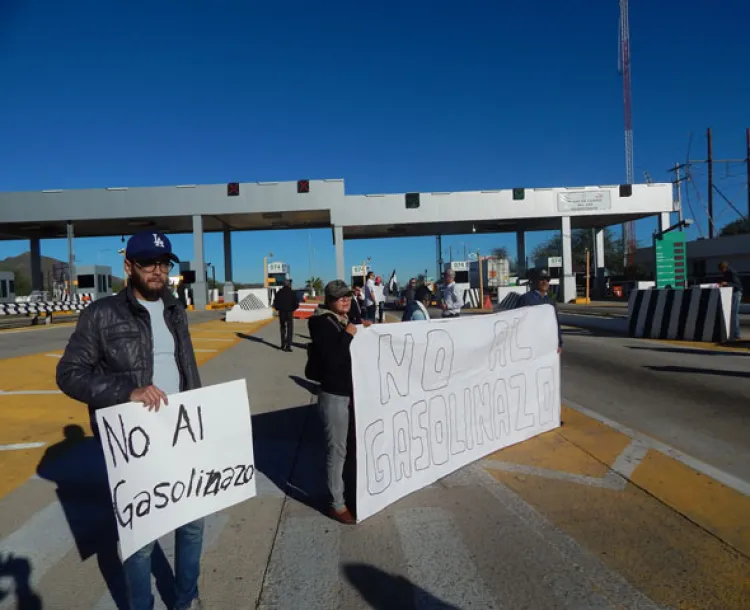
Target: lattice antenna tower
(623, 64)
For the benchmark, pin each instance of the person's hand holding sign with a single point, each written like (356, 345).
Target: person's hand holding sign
(150, 396)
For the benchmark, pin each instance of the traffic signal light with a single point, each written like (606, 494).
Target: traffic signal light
(519, 194)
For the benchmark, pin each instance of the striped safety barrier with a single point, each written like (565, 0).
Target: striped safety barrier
(694, 314)
(15, 309)
(509, 302)
(471, 298)
(306, 310)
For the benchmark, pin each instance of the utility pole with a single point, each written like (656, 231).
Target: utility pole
(710, 162)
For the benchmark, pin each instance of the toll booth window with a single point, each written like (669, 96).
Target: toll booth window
(102, 283)
(462, 277)
(3, 289)
(109, 281)
(12, 286)
(86, 281)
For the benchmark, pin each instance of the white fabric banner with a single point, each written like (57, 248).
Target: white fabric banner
(190, 459)
(431, 397)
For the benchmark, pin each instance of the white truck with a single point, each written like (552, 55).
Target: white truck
(495, 273)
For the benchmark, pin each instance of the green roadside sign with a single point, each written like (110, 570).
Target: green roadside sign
(670, 255)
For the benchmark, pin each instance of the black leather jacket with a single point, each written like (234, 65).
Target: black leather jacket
(110, 353)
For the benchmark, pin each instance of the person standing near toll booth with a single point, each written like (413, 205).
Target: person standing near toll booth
(135, 347)
(451, 301)
(539, 295)
(286, 303)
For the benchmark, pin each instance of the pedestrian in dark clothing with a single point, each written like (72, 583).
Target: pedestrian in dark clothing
(357, 310)
(409, 294)
(539, 295)
(731, 279)
(286, 303)
(135, 347)
(331, 332)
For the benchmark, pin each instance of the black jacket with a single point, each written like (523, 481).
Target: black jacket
(330, 346)
(110, 353)
(285, 300)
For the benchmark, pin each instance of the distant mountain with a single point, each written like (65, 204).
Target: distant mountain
(51, 269)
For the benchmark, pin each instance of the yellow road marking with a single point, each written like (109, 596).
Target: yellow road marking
(39, 418)
(702, 561)
(713, 347)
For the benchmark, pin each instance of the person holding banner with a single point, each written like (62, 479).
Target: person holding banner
(331, 332)
(135, 347)
(418, 310)
(539, 295)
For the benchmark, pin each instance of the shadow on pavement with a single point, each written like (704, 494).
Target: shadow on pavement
(698, 371)
(290, 449)
(256, 339)
(19, 570)
(687, 350)
(384, 591)
(76, 464)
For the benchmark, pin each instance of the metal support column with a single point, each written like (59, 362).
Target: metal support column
(600, 263)
(521, 254)
(37, 278)
(200, 288)
(72, 278)
(229, 295)
(338, 240)
(568, 280)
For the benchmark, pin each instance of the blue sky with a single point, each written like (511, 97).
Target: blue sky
(391, 96)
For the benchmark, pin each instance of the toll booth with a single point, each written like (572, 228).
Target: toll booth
(94, 281)
(7, 287)
(358, 275)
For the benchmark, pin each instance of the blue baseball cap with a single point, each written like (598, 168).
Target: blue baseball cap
(148, 245)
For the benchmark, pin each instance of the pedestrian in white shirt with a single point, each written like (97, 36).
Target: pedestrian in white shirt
(380, 298)
(371, 303)
(451, 300)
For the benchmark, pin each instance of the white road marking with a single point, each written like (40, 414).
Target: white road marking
(18, 446)
(607, 482)
(53, 355)
(438, 561)
(303, 571)
(651, 443)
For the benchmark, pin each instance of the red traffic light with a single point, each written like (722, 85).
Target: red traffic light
(233, 189)
(303, 186)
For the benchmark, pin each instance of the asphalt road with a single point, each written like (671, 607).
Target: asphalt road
(618, 311)
(696, 399)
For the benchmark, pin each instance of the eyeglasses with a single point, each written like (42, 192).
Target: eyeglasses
(165, 266)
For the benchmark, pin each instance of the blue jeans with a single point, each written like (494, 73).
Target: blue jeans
(735, 322)
(187, 553)
(334, 411)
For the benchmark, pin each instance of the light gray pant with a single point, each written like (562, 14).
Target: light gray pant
(334, 411)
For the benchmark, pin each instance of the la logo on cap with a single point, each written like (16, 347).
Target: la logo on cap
(158, 241)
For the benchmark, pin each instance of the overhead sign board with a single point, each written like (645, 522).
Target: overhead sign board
(554, 261)
(583, 201)
(277, 267)
(459, 265)
(670, 251)
(358, 270)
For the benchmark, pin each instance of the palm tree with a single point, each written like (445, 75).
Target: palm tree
(316, 284)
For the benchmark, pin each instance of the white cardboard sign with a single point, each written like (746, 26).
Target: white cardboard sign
(433, 396)
(190, 459)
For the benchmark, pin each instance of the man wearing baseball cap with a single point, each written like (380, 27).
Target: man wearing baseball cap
(539, 295)
(135, 347)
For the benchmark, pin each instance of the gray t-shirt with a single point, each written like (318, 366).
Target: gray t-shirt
(166, 373)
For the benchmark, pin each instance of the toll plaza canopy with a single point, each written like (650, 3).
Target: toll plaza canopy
(36, 215)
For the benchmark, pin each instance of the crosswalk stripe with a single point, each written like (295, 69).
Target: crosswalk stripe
(438, 562)
(303, 571)
(43, 541)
